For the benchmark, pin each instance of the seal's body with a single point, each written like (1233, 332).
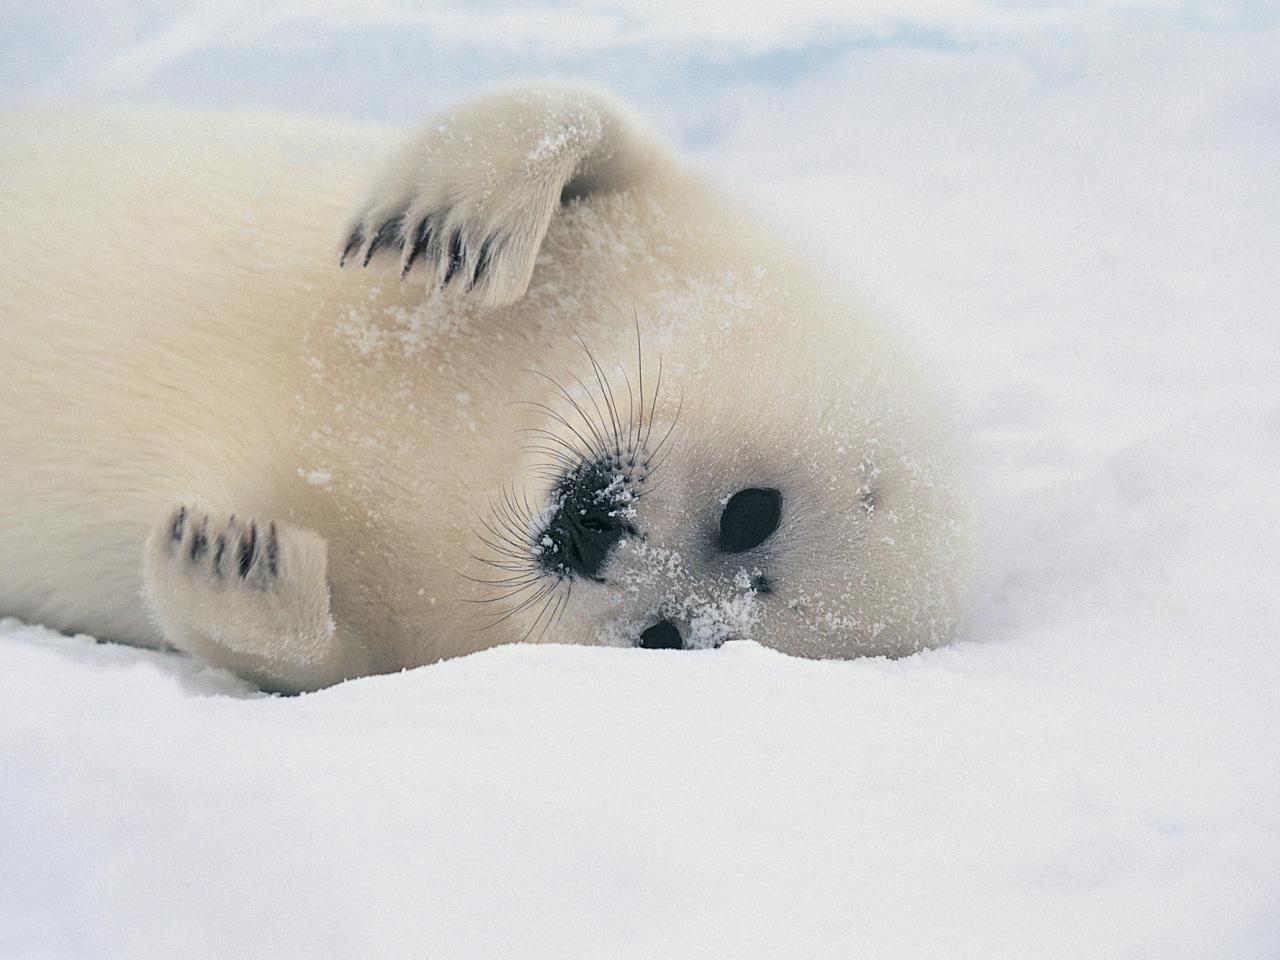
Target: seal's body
(616, 413)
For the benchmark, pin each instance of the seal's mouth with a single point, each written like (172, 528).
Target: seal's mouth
(591, 510)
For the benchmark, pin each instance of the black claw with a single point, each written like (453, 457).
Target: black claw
(179, 522)
(200, 542)
(353, 244)
(421, 237)
(247, 548)
(219, 548)
(482, 261)
(455, 257)
(273, 549)
(387, 234)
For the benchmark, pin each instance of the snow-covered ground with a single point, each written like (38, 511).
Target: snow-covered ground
(1073, 210)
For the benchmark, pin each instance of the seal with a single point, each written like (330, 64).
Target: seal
(544, 385)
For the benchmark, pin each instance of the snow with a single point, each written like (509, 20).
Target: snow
(1072, 211)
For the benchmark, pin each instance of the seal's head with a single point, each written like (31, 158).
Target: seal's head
(799, 493)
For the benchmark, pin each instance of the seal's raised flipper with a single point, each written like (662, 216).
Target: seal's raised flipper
(469, 198)
(248, 595)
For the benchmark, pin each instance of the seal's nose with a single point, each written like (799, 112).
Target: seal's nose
(663, 635)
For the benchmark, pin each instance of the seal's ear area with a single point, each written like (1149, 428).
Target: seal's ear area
(469, 198)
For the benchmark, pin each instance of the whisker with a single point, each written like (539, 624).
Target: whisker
(653, 407)
(604, 427)
(512, 567)
(573, 453)
(555, 611)
(516, 547)
(670, 429)
(591, 425)
(526, 578)
(639, 374)
(505, 596)
(555, 415)
(541, 613)
(606, 393)
(631, 409)
(524, 605)
(565, 605)
(551, 452)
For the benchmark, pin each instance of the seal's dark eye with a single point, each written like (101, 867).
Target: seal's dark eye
(749, 519)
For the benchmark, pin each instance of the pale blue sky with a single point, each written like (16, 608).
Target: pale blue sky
(396, 61)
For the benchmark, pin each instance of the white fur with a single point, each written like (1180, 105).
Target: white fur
(177, 333)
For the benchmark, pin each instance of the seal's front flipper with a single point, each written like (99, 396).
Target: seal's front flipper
(468, 200)
(249, 595)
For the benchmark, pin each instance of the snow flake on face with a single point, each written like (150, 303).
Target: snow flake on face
(619, 497)
(620, 632)
(709, 613)
(408, 331)
(537, 533)
(317, 478)
(827, 619)
(359, 330)
(713, 622)
(419, 327)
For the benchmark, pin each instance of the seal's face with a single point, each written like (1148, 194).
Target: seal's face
(667, 517)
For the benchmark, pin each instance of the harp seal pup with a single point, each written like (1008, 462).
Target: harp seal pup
(617, 411)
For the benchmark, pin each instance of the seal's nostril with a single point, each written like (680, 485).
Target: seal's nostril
(663, 635)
